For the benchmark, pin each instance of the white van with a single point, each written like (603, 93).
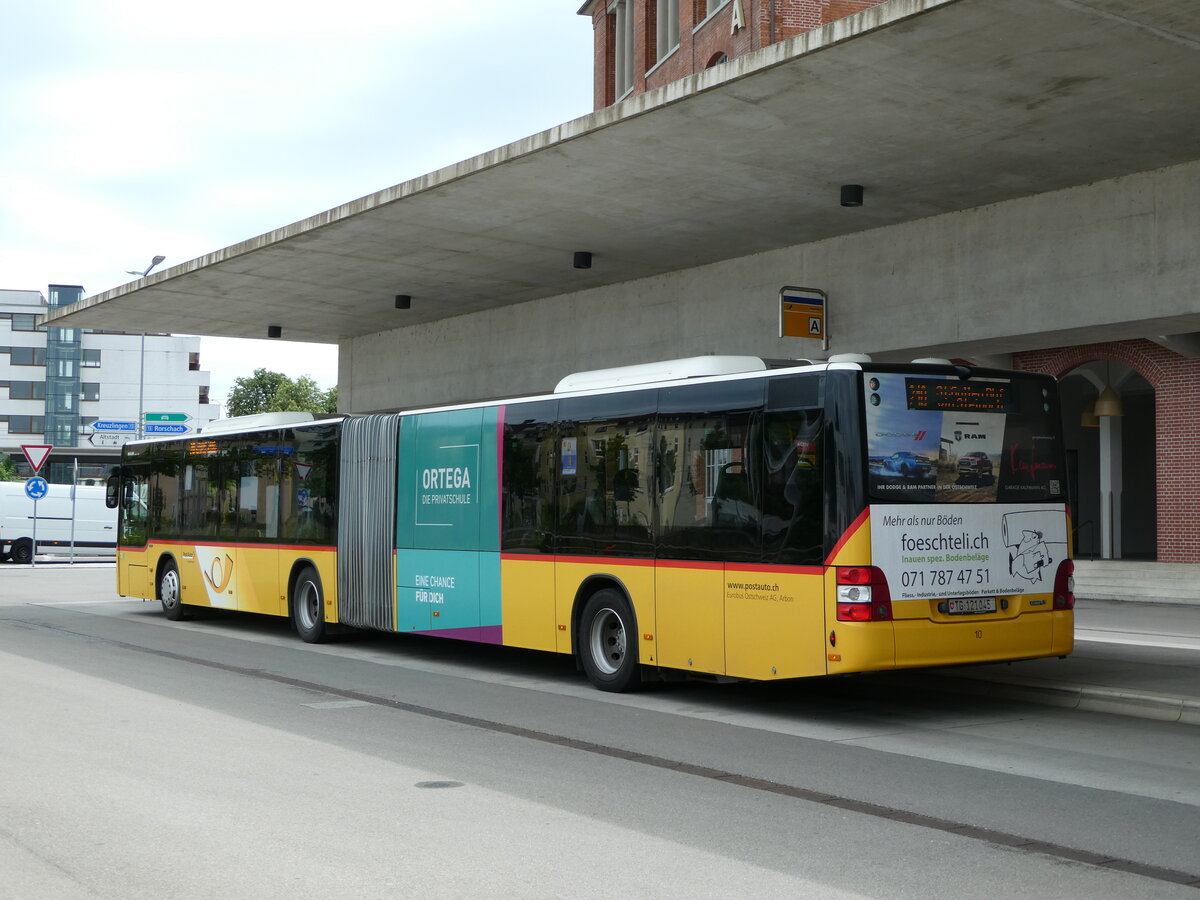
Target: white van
(95, 523)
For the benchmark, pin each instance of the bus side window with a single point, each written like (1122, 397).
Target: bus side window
(530, 444)
(794, 491)
(308, 484)
(708, 481)
(605, 501)
(134, 507)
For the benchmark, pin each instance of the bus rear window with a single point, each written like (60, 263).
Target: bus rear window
(942, 439)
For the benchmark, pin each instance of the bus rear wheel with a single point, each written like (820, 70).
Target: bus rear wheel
(170, 591)
(607, 644)
(22, 551)
(308, 606)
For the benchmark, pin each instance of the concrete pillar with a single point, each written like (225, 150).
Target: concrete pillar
(1110, 487)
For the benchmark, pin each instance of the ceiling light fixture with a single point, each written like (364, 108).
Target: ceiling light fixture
(852, 195)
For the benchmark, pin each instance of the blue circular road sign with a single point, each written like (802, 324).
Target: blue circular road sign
(36, 488)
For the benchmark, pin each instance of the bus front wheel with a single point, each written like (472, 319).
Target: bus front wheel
(607, 644)
(170, 592)
(308, 606)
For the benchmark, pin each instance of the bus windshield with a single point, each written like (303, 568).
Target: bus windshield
(935, 438)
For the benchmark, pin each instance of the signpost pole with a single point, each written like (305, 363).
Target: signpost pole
(36, 455)
(74, 483)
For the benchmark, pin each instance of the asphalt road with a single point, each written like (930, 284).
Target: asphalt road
(222, 757)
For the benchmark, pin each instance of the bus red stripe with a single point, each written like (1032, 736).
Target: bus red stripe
(847, 534)
(610, 562)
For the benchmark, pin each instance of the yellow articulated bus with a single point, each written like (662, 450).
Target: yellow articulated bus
(716, 516)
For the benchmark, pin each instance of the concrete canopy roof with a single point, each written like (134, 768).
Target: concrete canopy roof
(932, 105)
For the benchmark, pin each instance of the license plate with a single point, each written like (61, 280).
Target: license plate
(969, 606)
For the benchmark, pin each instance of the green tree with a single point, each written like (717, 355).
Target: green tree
(267, 391)
(303, 394)
(8, 470)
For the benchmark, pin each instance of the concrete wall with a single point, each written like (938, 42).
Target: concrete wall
(1112, 260)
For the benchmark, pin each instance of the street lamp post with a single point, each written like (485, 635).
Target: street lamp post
(141, 419)
(154, 262)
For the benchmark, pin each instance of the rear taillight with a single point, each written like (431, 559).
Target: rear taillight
(1064, 585)
(862, 595)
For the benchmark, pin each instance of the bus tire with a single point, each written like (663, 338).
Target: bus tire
(170, 591)
(308, 606)
(607, 644)
(22, 551)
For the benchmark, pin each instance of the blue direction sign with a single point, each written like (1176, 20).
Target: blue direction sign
(36, 488)
(152, 428)
(114, 425)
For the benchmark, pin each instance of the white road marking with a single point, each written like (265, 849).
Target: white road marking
(1164, 641)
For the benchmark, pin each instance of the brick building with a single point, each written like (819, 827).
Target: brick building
(643, 44)
(1133, 494)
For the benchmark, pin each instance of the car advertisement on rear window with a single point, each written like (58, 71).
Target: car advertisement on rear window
(986, 551)
(945, 439)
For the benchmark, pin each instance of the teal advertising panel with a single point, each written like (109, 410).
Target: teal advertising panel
(448, 524)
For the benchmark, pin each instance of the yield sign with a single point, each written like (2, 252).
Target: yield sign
(36, 454)
(302, 470)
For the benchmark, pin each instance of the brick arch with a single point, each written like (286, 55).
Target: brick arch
(716, 59)
(1176, 383)
(1150, 360)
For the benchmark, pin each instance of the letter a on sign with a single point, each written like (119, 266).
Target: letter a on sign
(36, 454)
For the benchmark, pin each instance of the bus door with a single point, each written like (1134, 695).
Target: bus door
(132, 488)
(709, 486)
(775, 610)
(258, 578)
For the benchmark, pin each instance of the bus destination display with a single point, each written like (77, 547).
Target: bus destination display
(938, 395)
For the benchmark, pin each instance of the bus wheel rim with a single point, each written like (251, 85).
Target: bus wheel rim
(170, 589)
(308, 604)
(607, 641)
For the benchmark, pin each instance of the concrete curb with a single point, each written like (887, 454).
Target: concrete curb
(1085, 697)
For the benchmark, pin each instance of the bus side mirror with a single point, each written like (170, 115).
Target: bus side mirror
(112, 491)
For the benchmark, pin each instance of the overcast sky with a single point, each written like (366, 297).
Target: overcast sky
(130, 128)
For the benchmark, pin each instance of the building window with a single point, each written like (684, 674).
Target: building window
(703, 9)
(26, 424)
(622, 15)
(193, 362)
(90, 359)
(28, 356)
(27, 390)
(23, 322)
(667, 14)
(203, 394)
(89, 390)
